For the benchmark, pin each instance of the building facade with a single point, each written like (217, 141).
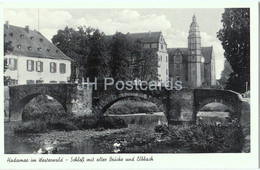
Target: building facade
(156, 41)
(195, 65)
(34, 59)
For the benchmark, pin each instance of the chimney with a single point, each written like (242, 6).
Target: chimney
(27, 28)
(7, 24)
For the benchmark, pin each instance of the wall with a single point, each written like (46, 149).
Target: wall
(21, 74)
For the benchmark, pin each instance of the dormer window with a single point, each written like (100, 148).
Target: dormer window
(57, 51)
(48, 50)
(32, 38)
(41, 39)
(11, 34)
(39, 49)
(30, 48)
(22, 36)
(19, 46)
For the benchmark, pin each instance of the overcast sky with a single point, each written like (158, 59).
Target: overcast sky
(174, 23)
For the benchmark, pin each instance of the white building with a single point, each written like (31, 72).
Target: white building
(34, 59)
(155, 40)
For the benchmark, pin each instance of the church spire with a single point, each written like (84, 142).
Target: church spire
(194, 18)
(194, 54)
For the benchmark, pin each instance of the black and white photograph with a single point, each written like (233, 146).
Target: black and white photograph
(126, 81)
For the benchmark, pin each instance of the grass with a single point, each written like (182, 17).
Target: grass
(131, 107)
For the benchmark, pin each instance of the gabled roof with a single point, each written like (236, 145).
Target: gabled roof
(31, 43)
(205, 51)
(146, 37)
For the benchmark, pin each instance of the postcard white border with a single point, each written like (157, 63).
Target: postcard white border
(161, 161)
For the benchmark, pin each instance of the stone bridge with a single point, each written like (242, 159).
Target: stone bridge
(178, 105)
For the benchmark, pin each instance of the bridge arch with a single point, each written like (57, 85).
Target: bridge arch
(17, 110)
(20, 96)
(104, 105)
(231, 99)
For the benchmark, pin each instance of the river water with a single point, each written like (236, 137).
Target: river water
(25, 144)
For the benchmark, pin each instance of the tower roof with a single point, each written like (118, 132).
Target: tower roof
(194, 27)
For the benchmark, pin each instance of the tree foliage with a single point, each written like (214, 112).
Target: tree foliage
(235, 38)
(121, 57)
(99, 56)
(225, 74)
(145, 63)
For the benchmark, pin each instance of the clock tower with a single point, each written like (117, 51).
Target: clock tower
(194, 54)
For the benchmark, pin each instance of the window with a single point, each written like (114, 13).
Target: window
(30, 65)
(62, 68)
(54, 82)
(30, 81)
(39, 49)
(39, 66)
(48, 50)
(166, 58)
(161, 46)
(19, 46)
(53, 67)
(62, 82)
(178, 69)
(12, 82)
(12, 64)
(32, 38)
(41, 39)
(30, 48)
(11, 34)
(166, 71)
(22, 36)
(161, 58)
(39, 81)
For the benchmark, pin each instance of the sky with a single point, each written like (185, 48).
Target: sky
(173, 23)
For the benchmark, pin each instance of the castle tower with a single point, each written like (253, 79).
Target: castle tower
(194, 54)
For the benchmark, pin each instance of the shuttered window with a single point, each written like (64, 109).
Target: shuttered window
(53, 67)
(62, 68)
(30, 65)
(12, 64)
(39, 66)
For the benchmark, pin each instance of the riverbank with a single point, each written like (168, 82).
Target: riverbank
(134, 139)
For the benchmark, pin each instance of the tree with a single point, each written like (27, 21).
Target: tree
(69, 41)
(145, 65)
(97, 65)
(121, 57)
(235, 37)
(225, 74)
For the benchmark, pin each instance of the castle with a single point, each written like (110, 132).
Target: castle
(195, 65)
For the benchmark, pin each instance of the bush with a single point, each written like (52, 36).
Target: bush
(162, 129)
(208, 138)
(132, 107)
(71, 123)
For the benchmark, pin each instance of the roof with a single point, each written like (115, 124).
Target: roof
(145, 37)
(31, 43)
(205, 51)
